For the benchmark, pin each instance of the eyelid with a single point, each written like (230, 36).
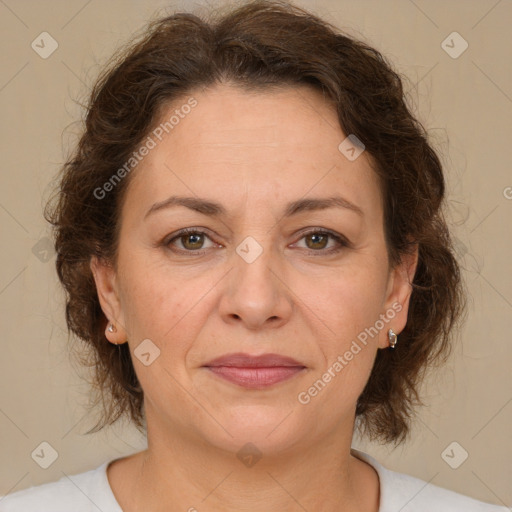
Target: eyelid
(317, 229)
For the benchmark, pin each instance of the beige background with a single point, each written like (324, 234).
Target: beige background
(466, 103)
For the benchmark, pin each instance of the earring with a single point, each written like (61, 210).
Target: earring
(393, 338)
(112, 328)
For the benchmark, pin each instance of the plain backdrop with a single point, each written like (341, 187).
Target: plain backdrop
(465, 102)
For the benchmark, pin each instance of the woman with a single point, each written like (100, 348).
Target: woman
(251, 237)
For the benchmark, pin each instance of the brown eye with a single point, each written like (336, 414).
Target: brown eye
(192, 241)
(318, 240)
(323, 242)
(189, 240)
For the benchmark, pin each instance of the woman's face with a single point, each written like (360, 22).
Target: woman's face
(259, 276)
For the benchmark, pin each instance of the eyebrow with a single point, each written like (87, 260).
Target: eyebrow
(214, 209)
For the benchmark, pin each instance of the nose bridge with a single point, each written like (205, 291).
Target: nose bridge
(255, 294)
(253, 270)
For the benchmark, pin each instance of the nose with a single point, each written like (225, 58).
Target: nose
(255, 293)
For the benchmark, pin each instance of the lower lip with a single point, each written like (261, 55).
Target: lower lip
(255, 378)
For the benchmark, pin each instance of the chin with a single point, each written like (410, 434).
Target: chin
(262, 429)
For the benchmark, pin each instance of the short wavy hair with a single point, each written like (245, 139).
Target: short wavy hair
(258, 46)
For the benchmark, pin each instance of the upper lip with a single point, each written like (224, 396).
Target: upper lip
(241, 360)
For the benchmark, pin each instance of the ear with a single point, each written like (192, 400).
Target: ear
(398, 295)
(105, 278)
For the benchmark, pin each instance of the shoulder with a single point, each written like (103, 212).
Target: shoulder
(83, 492)
(399, 491)
(412, 494)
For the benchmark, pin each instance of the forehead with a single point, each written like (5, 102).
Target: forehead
(279, 144)
(271, 125)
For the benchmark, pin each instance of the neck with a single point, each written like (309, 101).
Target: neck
(180, 473)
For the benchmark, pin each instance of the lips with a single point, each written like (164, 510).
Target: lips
(254, 372)
(241, 360)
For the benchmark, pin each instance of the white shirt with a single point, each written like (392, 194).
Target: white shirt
(91, 492)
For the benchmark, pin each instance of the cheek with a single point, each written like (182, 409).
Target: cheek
(160, 304)
(348, 306)
(346, 302)
(141, 291)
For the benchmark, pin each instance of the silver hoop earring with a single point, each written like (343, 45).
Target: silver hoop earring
(393, 338)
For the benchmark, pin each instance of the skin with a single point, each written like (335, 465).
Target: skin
(253, 153)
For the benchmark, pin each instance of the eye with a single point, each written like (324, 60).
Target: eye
(318, 241)
(190, 240)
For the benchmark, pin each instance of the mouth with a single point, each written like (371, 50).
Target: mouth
(255, 378)
(255, 372)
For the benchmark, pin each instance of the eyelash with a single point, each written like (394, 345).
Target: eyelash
(343, 243)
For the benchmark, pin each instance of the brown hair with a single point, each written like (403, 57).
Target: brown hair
(258, 45)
